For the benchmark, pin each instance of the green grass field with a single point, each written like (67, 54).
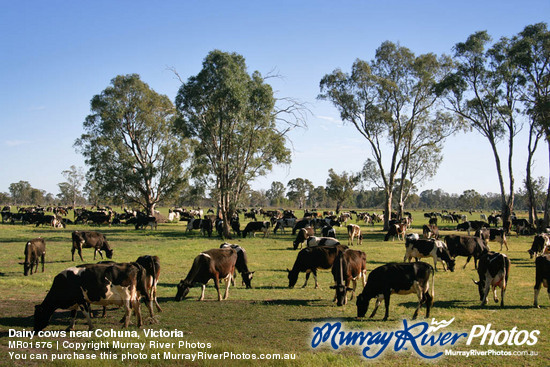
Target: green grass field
(270, 318)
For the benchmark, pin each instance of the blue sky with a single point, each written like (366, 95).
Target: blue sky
(55, 55)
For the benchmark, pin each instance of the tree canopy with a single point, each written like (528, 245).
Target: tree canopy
(129, 144)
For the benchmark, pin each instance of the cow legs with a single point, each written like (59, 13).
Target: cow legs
(137, 311)
(308, 272)
(419, 294)
(42, 259)
(485, 293)
(154, 296)
(378, 302)
(217, 286)
(537, 290)
(228, 281)
(202, 291)
(86, 311)
(467, 261)
(387, 304)
(127, 314)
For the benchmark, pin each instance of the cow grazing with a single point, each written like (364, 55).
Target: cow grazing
(301, 224)
(90, 239)
(396, 229)
(144, 221)
(103, 284)
(429, 248)
(541, 245)
(254, 227)
(430, 231)
(151, 264)
(35, 249)
(397, 278)
(283, 223)
(328, 231)
(313, 241)
(493, 235)
(354, 231)
(542, 275)
(469, 246)
(312, 258)
(348, 266)
(302, 236)
(241, 265)
(493, 270)
(212, 264)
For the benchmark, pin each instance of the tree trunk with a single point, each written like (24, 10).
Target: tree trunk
(387, 209)
(547, 203)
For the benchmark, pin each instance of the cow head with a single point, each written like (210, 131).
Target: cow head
(27, 265)
(247, 277)
(362, 305)
(183, 289)
(292, 278)
(41, 317)
(481, 288)
(108, 252)
(341, 294)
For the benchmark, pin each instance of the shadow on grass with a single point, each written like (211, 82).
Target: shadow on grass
(25, 321)
(328, 319)
(290, 302)
(271, 287)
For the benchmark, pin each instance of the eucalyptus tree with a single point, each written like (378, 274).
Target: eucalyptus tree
(129, 145)
(70, 191)
(391, 103)
(483, 90)
(530, 51)
(236, 127)
(299, 189)
(340, 187)
(276, 193)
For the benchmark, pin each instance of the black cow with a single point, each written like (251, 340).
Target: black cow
(254, 227)
(522, 226)
(542, 275)
(241, 265)
(493, 271)
(469, 246)
(212, 264)
(312, 258)
(494, 235)
(348, 266)
(35, 249)
(104, 284)
(90, 239)
(151, 264)
(144, 221)
(302, 236)
(429, 248)
(301, 224)
(472, 225)
(541, 244)
(397, 278)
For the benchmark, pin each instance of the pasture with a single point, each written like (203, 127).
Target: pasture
(270, 317)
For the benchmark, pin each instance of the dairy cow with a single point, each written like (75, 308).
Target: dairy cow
(493, 270)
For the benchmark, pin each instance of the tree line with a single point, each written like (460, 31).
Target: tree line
(227, 126)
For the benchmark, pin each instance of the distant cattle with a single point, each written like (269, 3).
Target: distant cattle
(541, 245)
(35, 250)
(283, 223)
(397, 278)
(212, 264)
(253, 227)
(429, 248)
(348, 266)
(493, 271)
(542, 276)
(145, 221)
(493, 235)
(301, 224)
(354, 231)
(396, 229)
(312, 258)
(473, 225)
(469, 246)
(104, 284)
(90, 239)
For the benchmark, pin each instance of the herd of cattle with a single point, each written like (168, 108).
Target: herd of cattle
(125, 284)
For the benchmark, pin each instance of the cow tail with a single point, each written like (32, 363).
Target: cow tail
(154, 277)
(433, 285)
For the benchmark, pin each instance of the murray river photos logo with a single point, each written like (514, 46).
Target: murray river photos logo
(417, 336)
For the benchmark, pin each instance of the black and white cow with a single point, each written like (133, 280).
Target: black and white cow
(283, 223)
(328, 231)
(354, 231)
(151, 264)
(472, 225)
(493, 235)
(469, 246)
(90, 239)
(35, 250)
(348, 266)
(396, 229)
(397, 278)
(302, 236)
(313, 241)
(429, 248)
(541, 245)
(214, 264)
(430, 231)
(103, 284)
(493, 270)
(542, 275)
(254, 227)
(241, 265)
(312, 258)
